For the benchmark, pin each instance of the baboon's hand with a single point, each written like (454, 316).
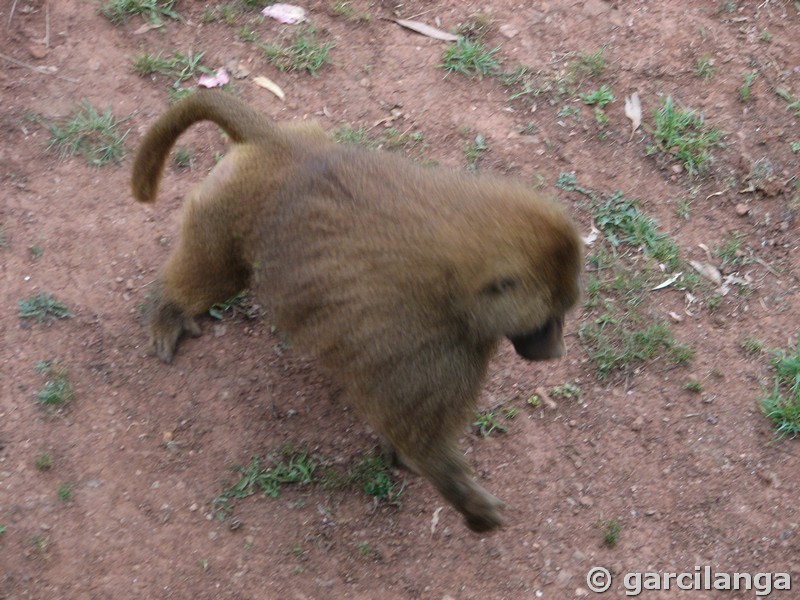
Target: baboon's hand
(164, 338)
(167, 324)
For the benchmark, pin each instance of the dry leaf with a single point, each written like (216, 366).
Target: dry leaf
(147, 27)
(426, 30)
(546, 399)
(633, 110)
(435, 519)
(268, 84)
(708, 271)
(590, 239)
(668, 282)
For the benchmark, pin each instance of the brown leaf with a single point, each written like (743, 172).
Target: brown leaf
(426, 30)
(268, 84)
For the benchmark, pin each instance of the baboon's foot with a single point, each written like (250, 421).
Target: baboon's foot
(482, 511)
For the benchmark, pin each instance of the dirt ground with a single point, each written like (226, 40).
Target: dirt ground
(689, 477)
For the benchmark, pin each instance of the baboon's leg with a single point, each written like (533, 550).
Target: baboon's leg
(446, 468)
(207, 267)
(423, 435)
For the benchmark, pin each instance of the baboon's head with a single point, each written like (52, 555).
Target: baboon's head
(528, 281)
(544, 343)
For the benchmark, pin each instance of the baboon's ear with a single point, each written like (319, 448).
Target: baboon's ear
(542, 344)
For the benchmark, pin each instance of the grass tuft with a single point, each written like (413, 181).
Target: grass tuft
(782, 404)
(611, 530)
(488, 420)
(622, 222)
(682, 134)
(58, 390)
(90, 134)
(303, 53)
(471, 59)
(615, 343)
(601, 97)
(43, 307)
(119, 11)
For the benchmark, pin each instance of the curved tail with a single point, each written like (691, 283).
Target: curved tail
(237, 119)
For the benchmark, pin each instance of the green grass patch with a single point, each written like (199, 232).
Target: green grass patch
(147, 64)
(618, 341)
(626, 265)
(622, 222)
(183, 158)
(237, 304)
(782, 404)
(524, 83)
(357, 137)
(491, 420)
(745, 92)
(154, 11)
(730, 252)
(343, 8)
(792, 103)
(475, 151)
(751, 346)
(65, 493)
(303, 52)
(601, 97)
(44, 462)
(611, 530)
(370, 473)
(590, 65)
(682, 135)
(226, 13)
(471, 59)
(561, 84)
(696, 387)
(705, 67)
(411, 143)
(43, 307)
(288, 468)
(57, 391)
(568, 391)
(374, 477)
(178, 66)
(91, 134)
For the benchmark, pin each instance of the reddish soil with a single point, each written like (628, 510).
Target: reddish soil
(692, 479)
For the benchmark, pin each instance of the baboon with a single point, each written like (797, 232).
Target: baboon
(400, 279)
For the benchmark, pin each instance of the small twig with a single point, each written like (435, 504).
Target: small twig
(419, 14)
(47, 24)
(36, 69)
(766, 265)
(11, 14)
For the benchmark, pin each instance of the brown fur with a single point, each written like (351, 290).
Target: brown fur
(400, 279)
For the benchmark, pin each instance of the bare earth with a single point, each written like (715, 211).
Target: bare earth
(144, 448)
